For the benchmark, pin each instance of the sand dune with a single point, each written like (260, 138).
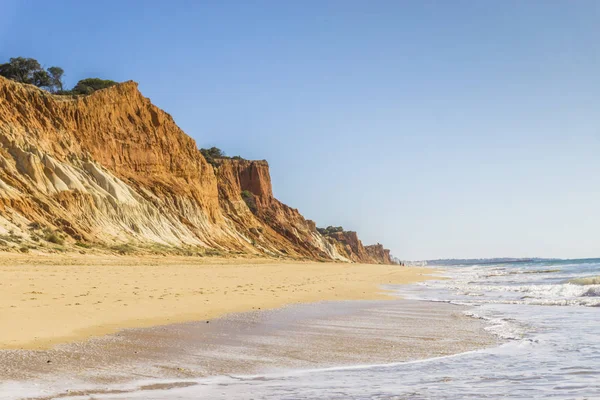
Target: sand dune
(45, 300)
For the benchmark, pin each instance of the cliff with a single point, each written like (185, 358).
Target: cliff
(378, 254)
(246, 197)
(112, 169)
(351, 247)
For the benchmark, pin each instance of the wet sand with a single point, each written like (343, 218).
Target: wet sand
(51, 299)
(138, 362)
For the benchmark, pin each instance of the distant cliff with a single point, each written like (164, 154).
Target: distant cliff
(111, 170)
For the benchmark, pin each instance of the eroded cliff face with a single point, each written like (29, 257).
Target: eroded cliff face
(105, 167)
(245, 188)
(378, 254)
(112, 168)
(349, 245)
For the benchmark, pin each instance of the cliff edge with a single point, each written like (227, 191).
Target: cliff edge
(113, 170)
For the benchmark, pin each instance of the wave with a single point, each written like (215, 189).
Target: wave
(545, 285)
(566, 290)
(579, 301)
(539, 271)
(591, 280)
(502, 327)
(500, 273)
(565, 294)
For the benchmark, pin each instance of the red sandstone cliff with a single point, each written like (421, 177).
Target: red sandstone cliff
(378, 254)
(300, 236)
(112, 168)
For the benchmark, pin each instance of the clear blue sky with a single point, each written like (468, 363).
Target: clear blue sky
(439, 128)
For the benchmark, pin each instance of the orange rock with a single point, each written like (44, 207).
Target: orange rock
(113, 168)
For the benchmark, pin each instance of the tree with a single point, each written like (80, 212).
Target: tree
(56, 74)
(29, 70)
(24, 70)
(41, 78)
(213, 152)
(6, 71)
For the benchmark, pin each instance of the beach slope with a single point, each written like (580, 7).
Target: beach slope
(51, 299)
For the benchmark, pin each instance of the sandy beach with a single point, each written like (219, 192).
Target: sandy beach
(50, 299)
(217, 360)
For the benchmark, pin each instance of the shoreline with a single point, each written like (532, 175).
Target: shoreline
(195, 357)
(49, 300)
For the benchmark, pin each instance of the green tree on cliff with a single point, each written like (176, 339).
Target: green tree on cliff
(25, 70)
(212, 154)
(29, 70)
(56, 75)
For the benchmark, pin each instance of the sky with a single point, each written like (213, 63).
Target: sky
(442, 129)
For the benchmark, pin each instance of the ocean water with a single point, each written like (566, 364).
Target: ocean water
(548, 311)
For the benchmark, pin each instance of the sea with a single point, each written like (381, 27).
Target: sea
(548, 312)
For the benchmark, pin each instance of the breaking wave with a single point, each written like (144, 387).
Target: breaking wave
(591, 280)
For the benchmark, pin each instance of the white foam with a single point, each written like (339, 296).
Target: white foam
(473, 289)
(501, 327)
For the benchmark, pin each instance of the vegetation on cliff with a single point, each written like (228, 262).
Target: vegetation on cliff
(29, 70)
(330, 230)
(250, 201)
(214, 153)
(90, 85)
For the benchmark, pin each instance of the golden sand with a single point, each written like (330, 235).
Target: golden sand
(46, 300)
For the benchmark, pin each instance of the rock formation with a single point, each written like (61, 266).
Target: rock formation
(111, 169)
(378, 253)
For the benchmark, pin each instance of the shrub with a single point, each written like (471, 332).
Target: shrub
(250, 201)
(123, 249)
(212, 253)
(330, 230)
(54, 238)
(214, 153)
(90, 85)
(81, 244)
